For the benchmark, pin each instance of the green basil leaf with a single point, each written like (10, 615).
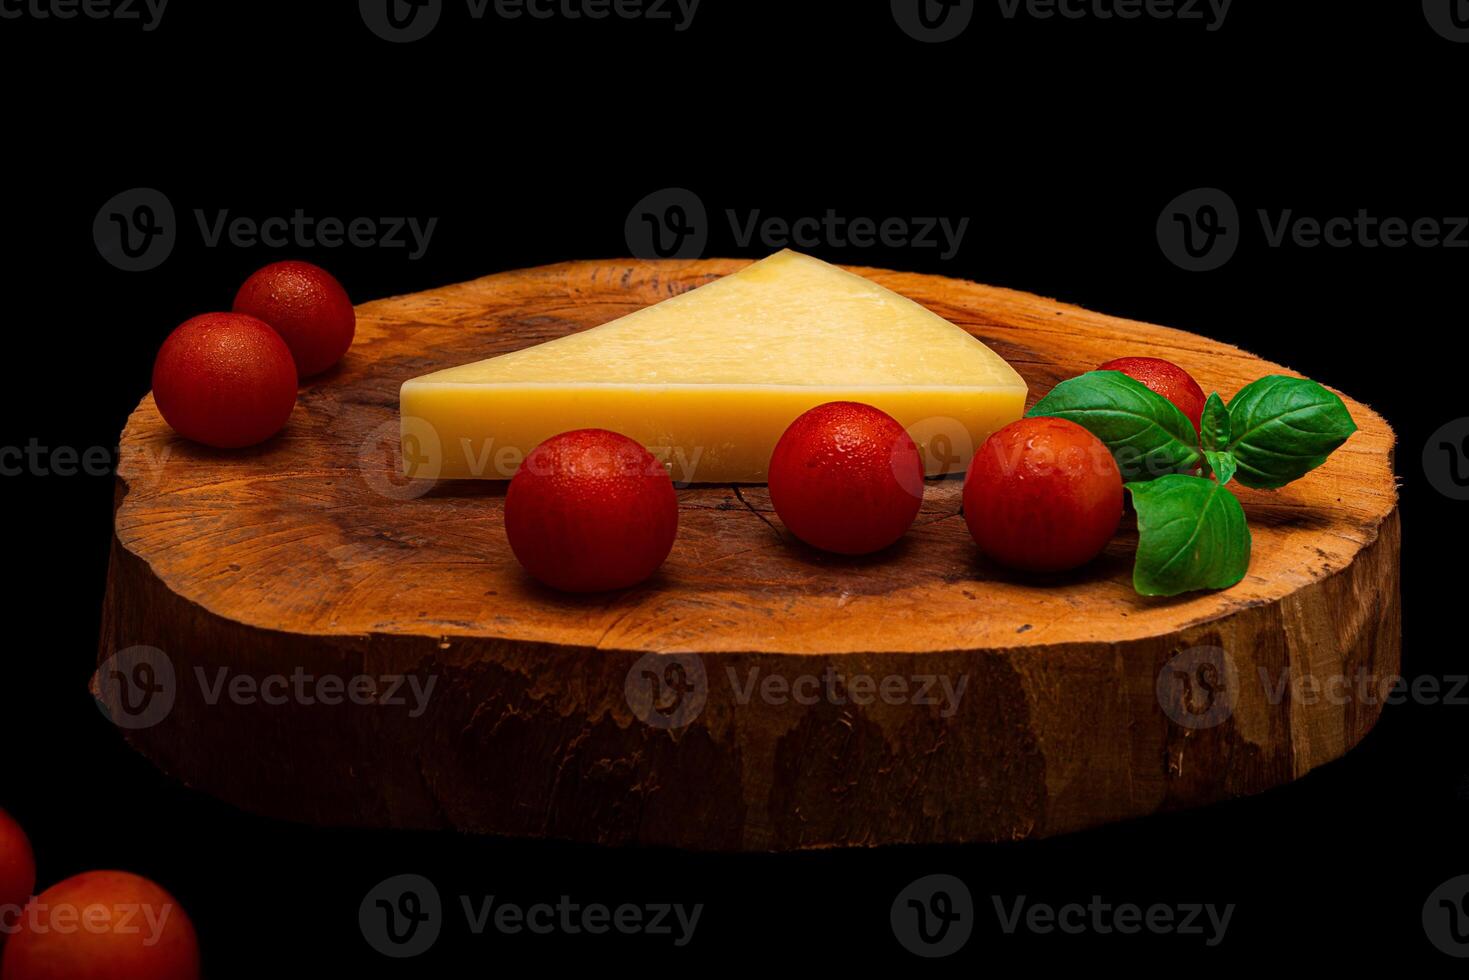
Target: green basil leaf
(1191, 535)
(1215, 428)
(1147, 434)
(1282, 428)
(1222, 465)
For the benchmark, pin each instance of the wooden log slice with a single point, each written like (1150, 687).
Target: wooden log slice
(755, 695)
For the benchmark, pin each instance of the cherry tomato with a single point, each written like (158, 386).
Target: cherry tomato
(225, 379)
(17, 873)
(103, 925)
(306, 306)
(1043, 495)
(590, 511)
(846, 477)
(1166, 379)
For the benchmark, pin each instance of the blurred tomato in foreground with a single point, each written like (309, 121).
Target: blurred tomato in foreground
(103, 925)
(17, 873)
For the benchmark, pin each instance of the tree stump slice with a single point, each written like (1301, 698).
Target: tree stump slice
(650, 716)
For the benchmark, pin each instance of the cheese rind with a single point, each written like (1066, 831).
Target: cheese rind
(710, 379)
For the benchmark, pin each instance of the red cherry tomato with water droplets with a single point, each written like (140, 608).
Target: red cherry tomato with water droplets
(846, 477)
(1043, 495)
(225, 380)
(590, 511)
(1167, 379)
(305, 305)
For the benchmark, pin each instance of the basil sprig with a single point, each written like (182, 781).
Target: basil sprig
(1192, 532)
(1191, 535)
(1282, 428)
(1147, 434)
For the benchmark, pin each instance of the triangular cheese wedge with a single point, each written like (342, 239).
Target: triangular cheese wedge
(710, 379)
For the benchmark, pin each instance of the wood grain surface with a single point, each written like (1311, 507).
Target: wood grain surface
(755, 694)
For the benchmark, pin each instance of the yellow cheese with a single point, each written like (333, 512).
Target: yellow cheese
(710, 379)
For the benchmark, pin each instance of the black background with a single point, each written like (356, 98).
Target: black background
(530, 141)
